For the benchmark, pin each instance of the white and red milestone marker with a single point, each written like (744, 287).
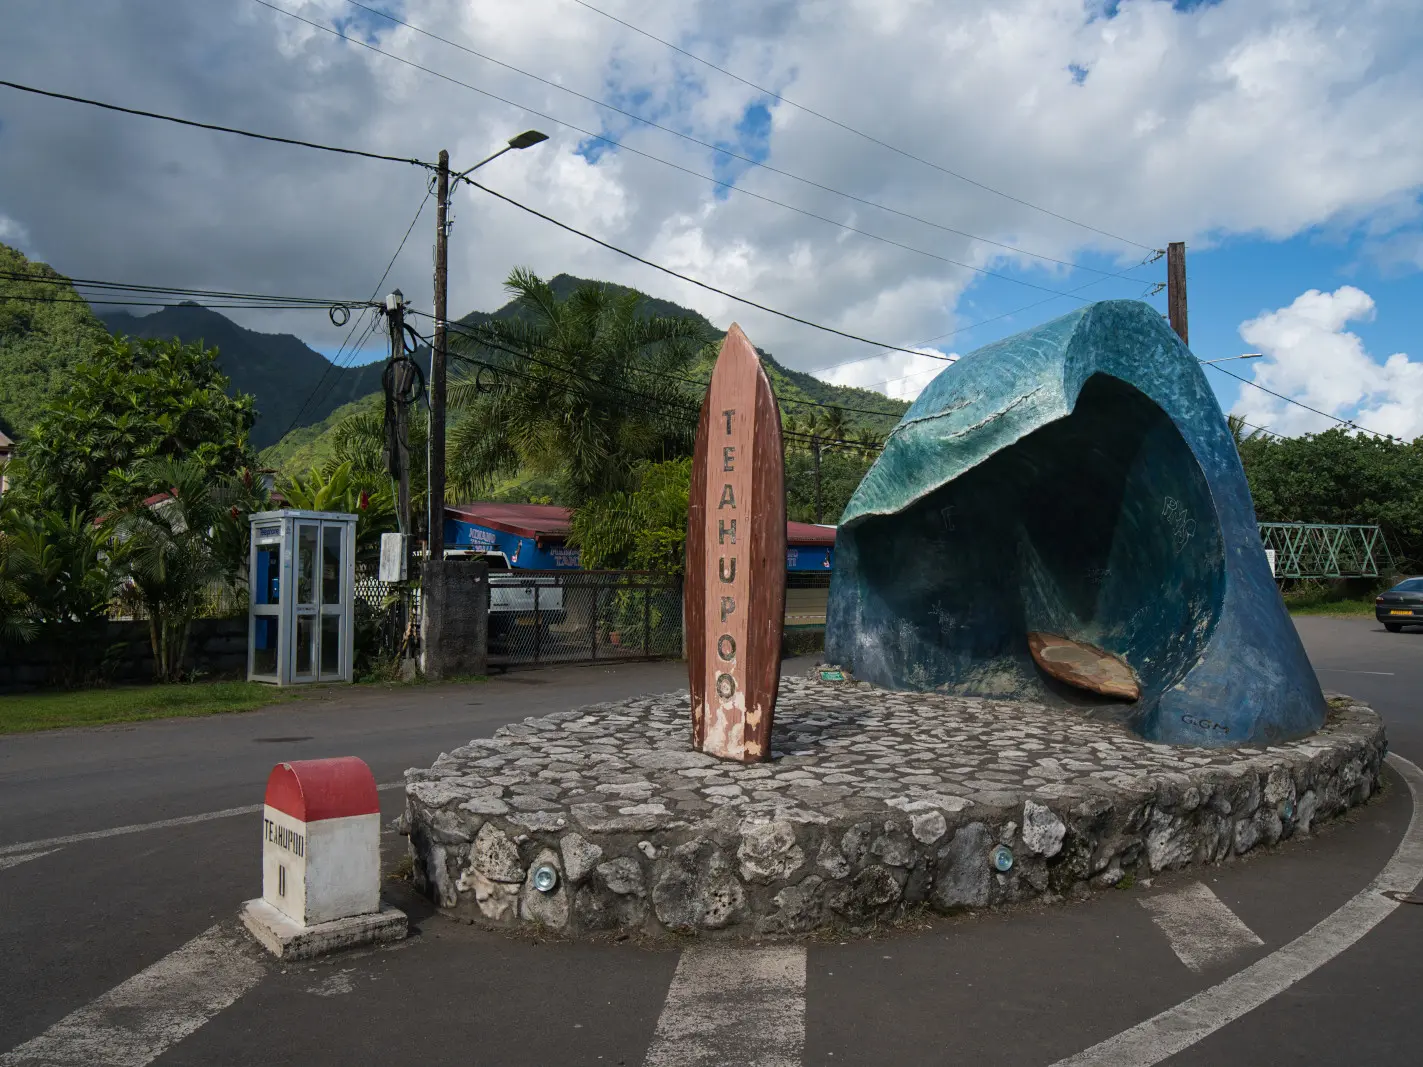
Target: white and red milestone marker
(321, 860)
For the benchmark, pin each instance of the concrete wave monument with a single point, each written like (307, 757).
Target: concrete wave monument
(1062, 517)
(1052, 568)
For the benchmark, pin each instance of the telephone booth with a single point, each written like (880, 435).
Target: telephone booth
(303, 580)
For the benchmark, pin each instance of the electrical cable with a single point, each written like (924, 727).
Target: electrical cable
(732, 186)
(861, 133)
(724, 151)
(481, 338)
(686, 278)
(174, 290)
(690, 411)
(1347, 423)
(335, 360)
(1151, 257)
(79, 299)
(213, 126)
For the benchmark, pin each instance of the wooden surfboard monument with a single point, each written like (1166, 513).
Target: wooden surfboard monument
(736, 559)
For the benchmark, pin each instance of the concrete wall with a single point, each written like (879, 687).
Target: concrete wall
(118, 652)
(454, 626)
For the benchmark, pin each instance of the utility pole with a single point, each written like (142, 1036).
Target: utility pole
(432, 590)
(1176, 289)
(397, 415)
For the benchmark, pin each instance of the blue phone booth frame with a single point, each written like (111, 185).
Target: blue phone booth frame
(301, 618)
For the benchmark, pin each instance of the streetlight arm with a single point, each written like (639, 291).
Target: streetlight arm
(527, 139)
(1227, 359)
(488, 159)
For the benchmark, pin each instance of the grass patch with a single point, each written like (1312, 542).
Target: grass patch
(1325, 603)
(26, 712)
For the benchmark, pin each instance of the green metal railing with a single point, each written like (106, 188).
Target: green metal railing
(1322, 550)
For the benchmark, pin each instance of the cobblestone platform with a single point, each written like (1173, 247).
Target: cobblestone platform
(604, 818)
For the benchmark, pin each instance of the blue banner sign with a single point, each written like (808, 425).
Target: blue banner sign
(522, 552)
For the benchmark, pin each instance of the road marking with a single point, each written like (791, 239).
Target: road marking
(1195, 1019)
(729, 1005)
(1203, 932)
(1346, 670)
(138, 1020)
(138, 828)
(15, 861)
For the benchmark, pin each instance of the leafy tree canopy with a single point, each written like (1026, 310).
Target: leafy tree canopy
(1340, 477)
(130, 402)
(585, 387)
(45, 330)
(644, 529)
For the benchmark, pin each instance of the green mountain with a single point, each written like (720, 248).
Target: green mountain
(280, 371)
(45, 329)
(309, 445)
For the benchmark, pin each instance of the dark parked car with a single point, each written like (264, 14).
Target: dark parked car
(1401, 606)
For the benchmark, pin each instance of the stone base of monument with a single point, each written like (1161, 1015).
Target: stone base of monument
(287, 939)
(876, 803)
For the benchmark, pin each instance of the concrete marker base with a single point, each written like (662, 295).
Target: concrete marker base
(287, 940)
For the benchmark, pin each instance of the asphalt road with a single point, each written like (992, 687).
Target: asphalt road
(1031, 987)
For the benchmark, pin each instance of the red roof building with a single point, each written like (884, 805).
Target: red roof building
(534, 536)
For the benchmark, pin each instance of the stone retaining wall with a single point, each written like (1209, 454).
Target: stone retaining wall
(119, 652)
(876, 802)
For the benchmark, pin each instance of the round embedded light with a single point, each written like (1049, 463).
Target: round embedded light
(1002, 857)
(545, 878)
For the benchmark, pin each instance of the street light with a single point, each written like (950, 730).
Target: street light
(1227, 359)
(527, 139)
(433, 588)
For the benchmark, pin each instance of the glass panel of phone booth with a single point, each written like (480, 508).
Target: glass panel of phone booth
(266, 571)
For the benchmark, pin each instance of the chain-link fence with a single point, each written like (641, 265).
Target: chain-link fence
(540, 617)
(546, 617)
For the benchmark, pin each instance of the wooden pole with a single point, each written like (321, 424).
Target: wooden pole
(398, 413)
(432, 585)
(1176, 289)
(437, 367)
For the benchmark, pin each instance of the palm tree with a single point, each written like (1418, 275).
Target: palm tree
(1237, 426)
(168, 551)
(868, 443)
(583, 388)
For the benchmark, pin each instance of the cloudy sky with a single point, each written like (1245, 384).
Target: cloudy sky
(1058, 143)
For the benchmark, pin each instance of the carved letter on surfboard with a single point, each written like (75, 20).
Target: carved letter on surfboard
(736, 559)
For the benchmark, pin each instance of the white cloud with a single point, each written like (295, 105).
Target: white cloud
(1244, 117)
(902, 375)
(13, 234)
(1312, 357)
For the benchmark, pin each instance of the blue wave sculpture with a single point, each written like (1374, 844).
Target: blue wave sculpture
(1077, 479)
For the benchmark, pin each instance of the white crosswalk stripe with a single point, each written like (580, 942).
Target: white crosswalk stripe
(733, 1005)
(1203, 932)
(15, 861)
(135, 1022)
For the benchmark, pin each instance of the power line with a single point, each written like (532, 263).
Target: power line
(335, 360)
(177, 290)
(688, 412)
(684, 277)
(1150, 258)
(1347, 423)
(861, 133)
(719, 149)
(482, 338)
(213, 126)
(732, 186)
(78, 299)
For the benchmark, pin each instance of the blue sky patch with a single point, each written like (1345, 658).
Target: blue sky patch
(1078, 72)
